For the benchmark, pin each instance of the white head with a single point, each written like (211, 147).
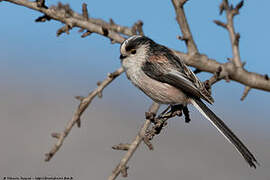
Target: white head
(134, 50)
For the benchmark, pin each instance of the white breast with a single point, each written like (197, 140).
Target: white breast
(160, 92)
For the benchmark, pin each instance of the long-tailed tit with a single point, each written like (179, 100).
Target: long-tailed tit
(164, 77)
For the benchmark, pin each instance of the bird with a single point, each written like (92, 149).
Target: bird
(166, 79)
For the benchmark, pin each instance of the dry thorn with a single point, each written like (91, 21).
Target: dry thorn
(64, 29)
(48, 156)
(218, 71)
(113, 41)
(124, 171)
(147, 142)
(98, 83)
(68, 12)
(243, 64)
(246, 91)
(112, 22)
(105, 31)
(137, 28)
(80, 98)
(43, 18)
(85, 11)
(123, 147)
(100, 94)
(56, 135)
(221, 8)
(239, 5)
(182, 38)
(227, 78)
(78, 122)
(230, 59)
(219, 23)
(41, 4)
(266, 77)
(236, 40)
(182, 3)
(87, 33)
(80, 30)
(215, 78)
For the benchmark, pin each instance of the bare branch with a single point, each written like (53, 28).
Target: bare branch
(134, 145)
(61, 12)
(182, 21)
(198, 61)
(234, 37)
(78, 113)
(240, 75)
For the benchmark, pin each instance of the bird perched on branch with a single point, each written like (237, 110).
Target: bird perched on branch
(165, 78)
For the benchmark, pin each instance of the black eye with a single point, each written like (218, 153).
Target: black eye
(133, 51)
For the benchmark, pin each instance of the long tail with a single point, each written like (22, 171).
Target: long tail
(225, 131)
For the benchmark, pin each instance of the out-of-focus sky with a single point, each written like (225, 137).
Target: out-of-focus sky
(41, 73)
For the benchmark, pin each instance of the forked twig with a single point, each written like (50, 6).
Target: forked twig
(85, 101)
(134, 145)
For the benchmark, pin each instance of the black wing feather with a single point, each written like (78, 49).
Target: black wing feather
(177, 74)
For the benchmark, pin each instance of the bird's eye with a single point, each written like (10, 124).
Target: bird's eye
(133, 51)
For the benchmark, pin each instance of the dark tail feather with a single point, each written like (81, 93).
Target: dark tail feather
(229, 135)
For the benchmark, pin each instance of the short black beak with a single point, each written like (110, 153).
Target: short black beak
(122, 57)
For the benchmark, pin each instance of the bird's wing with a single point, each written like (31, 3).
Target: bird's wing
(175, 73)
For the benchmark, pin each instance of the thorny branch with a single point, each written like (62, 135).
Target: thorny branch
(182, 21)
(116, 34)
(232, 70)
(146, 133)
(231, 12)
(85, 101)
(121, 167)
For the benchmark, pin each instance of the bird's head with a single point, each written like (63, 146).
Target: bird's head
(134, 46)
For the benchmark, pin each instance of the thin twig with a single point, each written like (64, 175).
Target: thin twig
(79, 111)
(134, 145)
(182, 21)
(245, 93)
(85, 11)
(234, 37)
